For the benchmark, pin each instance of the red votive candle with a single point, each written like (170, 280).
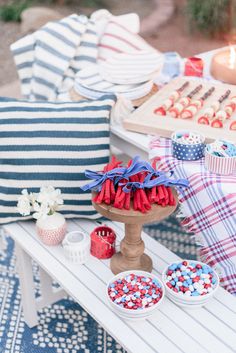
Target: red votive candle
(103, 242)
(194, 67)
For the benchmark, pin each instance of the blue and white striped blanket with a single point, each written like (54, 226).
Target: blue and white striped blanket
(48, 59)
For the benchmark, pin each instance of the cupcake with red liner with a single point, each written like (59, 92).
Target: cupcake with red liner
(220, 157)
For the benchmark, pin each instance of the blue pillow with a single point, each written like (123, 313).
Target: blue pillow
(44, 143)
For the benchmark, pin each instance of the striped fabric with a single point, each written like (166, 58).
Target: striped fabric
(52, 144)
(48, 59)
(118, 39)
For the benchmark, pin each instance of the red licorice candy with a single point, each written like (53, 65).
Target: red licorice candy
(108, 193)
(142, 198)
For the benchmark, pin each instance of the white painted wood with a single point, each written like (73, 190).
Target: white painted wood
(49, 295)
(45, 283)
(203, 330)
(222, 296)
(24, 267)
(130, 143)
(171, 329)
(80, 291)
(97, 285)
(57, 295)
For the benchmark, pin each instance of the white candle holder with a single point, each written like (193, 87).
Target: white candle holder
(76, 246)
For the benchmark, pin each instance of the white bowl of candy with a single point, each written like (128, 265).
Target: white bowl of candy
(190, 283)
(135, 294)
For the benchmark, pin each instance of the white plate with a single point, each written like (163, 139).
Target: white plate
(89, 83)
(131, 68)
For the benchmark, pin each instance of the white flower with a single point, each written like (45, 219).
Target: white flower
(41, 210)
(50, 196)
(23, 204)
(33, 197)
(44, 203)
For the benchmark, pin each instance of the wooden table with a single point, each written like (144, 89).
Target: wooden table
(170, 330)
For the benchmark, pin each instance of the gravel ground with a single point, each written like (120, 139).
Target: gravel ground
(173, 36)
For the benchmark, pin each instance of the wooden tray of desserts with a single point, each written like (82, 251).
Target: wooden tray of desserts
(144, 120)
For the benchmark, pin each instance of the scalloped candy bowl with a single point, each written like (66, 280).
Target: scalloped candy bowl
(193, 299)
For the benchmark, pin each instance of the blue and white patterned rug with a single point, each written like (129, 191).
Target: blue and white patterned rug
(65, 327)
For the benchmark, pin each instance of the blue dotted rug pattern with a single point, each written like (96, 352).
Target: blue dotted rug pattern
(65, 327)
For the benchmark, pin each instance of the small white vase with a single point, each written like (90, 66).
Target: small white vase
(51, 229)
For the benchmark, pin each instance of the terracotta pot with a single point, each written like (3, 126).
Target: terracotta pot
(51, 229)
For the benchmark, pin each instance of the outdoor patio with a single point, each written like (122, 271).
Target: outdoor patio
(153, 79)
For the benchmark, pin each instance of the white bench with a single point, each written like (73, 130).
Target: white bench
(170, 330)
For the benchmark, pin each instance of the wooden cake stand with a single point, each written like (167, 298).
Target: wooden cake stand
(131, 255)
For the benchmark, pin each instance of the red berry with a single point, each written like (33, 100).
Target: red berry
(160, 111)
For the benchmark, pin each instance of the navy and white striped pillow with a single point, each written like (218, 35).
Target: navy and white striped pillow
(52, 144)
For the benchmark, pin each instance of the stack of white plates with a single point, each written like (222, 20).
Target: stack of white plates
(134, 68)
(129, 75)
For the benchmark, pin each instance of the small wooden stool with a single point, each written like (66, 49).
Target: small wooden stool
(131, 255)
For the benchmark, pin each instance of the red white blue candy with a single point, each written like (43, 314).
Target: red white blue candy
(190, 278)
(222, 148)
(135, 292)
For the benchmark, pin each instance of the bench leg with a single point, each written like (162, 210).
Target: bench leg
(50, 295)
(24, 265)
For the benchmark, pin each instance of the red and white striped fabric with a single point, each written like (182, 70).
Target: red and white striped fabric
(118, 39)
(209, 208)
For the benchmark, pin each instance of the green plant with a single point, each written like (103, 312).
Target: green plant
(12, 11)
(210, 16)
(88, 3)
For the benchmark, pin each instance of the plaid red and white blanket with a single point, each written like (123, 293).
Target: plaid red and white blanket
(209, 208)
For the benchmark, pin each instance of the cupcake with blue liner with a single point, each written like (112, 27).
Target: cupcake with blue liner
(187, 145)
(220, 157)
